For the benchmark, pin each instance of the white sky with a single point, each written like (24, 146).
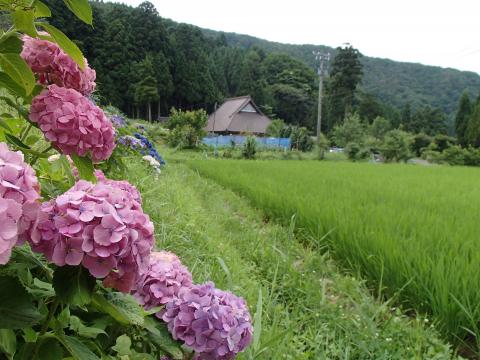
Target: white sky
(442, 33)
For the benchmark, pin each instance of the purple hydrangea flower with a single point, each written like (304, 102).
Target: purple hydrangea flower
(121, 184)
(216, 324)
(162, 282)
(118, 121)
(130, 141)
(99, 226)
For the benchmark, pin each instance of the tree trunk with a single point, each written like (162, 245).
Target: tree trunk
(158, 110)
(138, 112)
(149, 112)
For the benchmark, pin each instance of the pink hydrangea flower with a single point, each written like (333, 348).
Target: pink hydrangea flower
(54, 66)
(10, 213)
(162, 282)
(121, 184)
(216, 324)
(19, 195)
(99, 226)
(73, 123)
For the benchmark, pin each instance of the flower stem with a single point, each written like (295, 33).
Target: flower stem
(51, 313)
(35, 158)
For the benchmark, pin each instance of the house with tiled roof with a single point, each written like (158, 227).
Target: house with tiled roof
(239, 115)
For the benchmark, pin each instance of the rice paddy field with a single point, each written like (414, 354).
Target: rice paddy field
(411, 231)
(303, 306)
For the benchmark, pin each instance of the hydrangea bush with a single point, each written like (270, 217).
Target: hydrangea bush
(78, 273)
(19, 195)
(72, 123)
(215, 324)
(53, 65)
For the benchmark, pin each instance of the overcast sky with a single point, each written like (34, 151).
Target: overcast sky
(433, 32)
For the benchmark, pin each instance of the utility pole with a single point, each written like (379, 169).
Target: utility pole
(322, 60)
(213, 130)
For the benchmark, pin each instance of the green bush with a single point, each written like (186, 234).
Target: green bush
(358, 151)
(420, 142)
(472, 156)
(186, 128)
(323, 144)
(443, 142)
(352, 130)
(396, 146)
(275, 129)
(454, 155)
(249, 148)
(300, 139)
(380, 127)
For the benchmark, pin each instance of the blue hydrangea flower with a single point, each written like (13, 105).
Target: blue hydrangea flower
(149, 148)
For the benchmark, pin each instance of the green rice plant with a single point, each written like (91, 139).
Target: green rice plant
(410, 230)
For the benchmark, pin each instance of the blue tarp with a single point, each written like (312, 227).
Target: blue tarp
(223, 141)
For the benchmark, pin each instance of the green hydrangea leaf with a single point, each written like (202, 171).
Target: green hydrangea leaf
(122, 307)
(81, 8)
(76, 348)
(85, 168)
(17, 69)
(73, 285)
(65, 43)
(41, 10)
(16, 305)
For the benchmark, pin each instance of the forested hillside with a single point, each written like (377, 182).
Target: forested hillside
(396, 83)
(146, 65)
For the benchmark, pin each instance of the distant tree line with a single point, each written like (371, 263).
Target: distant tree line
(146, 65)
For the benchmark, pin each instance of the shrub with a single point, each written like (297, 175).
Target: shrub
(352, 130)
(420, 142)
(472, 156)
(249, 148)
(396, 146)
(300, 139)
(358, 151)
(323, 144)
(352, 149)
(275, 129)
(443, 142)
(454, 155)
(380, 127)
(186, 128)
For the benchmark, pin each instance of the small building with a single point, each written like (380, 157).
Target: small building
(238, 115)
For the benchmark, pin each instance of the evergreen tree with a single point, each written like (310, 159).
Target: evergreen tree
(252, 76)
(369, 107)
(193, 82)
(406, 116)
(345, 75)
(461, 119)
(146, 89)
(164, 81)
(473, 127)
(431, 121)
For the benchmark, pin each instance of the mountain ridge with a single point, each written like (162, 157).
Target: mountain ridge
(381, 73)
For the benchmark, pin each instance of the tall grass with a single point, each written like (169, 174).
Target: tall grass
(413, 230)
(307, 309)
